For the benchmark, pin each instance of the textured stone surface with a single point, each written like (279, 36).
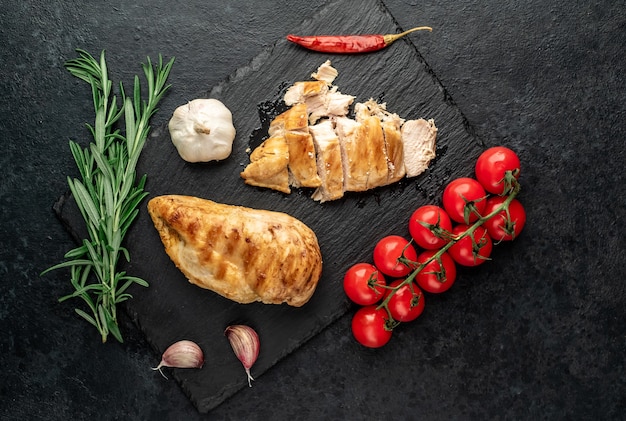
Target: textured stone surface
(537, 333)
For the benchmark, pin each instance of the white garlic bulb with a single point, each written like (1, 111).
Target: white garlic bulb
(202, 130)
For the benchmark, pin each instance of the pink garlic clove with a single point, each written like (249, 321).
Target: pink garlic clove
(181, 354)
(245, 343)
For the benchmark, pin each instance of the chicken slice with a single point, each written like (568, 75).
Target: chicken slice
(293, 125)
(295, 118)
(391, 124)
(418, 138)
(337, 104)
(320, 99)
(374, 143)
(300, 91)
(243, 254)
(302, 160)
(325, 72)
(353, 157)
(268, 165)
(394, 150)
(329, 166)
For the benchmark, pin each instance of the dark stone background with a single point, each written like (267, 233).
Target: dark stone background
(537, 333)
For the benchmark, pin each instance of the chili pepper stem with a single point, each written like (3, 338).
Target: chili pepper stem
(389, 38)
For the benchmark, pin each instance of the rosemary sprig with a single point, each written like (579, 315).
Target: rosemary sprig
(108, 192)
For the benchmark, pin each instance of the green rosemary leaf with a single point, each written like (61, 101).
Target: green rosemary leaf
(98, 259)
(127, 220)
(84, 272)
(103, 165)
(86, 317)
(133, 280)
(75, 253)
(137, 95)
(100, 129)
(114, 114)
(122, 297)
(131, 129)
(103, 317)
(86, 289)
(115, 241)
(109, 200)
(126, 253)
(68, 264)
(79, 157)
(115, 330)
(104, 75)
(84, 201)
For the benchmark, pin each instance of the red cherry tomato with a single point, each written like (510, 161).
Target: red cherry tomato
(463, 198)
(503, 227)
(407, 303)
(362, 284)
(438, 224)
(471, 253)
(436, 277)
(387, 252)
(492, 166)
(369, 326)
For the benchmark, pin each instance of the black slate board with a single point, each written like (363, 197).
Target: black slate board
(172, 309)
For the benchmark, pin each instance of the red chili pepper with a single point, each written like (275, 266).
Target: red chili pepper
(349, 44)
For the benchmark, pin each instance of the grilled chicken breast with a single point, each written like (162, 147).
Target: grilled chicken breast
(243, 254)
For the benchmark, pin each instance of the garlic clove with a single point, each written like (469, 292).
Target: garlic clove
(181, 354)
(245, 343)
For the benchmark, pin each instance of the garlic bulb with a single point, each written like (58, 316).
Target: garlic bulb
(245, 343)
(182, 354)
(202, 130)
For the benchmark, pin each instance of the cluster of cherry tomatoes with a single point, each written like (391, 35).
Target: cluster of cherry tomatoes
(476, 214)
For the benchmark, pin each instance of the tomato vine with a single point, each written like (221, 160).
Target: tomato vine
(500, 215)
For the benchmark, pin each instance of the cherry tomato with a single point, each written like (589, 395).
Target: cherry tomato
(387, 252)
(407, 303)
(436, 277)
(362, 284)
(492, 166)
(463, 198)
(432, 236)
(369, 326)
(503, 227)
(471, 253)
